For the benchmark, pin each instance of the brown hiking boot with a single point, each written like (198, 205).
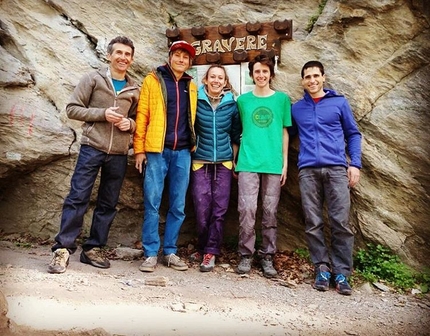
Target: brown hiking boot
(173, 261)
(149, 264)
(94, 257)
(59, 262)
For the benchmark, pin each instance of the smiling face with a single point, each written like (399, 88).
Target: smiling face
(313, 82)
(215, 81)
(179, 61)
(120, 59)
(261, 75)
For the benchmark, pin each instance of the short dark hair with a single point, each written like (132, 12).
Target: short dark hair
(263, 59)
(313, 64)
(123, 40)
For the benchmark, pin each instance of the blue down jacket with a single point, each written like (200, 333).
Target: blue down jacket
(216, 129)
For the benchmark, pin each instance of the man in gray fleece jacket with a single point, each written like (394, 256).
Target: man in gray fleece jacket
(105, 101)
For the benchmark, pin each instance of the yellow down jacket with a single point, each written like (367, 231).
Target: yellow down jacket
(151, 115)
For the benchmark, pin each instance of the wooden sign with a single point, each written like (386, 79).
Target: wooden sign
(232, 44)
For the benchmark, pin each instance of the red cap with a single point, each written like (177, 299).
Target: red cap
(183, 45)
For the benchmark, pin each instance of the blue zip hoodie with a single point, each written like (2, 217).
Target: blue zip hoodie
(216, 129)
(327, 130)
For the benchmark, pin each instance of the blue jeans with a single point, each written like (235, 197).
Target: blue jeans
(174, 167)
(329, 185)
(113, 169)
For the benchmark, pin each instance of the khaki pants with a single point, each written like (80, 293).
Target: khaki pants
(249, 187)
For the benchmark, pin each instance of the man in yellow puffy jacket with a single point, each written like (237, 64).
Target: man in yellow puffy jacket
(163, 142)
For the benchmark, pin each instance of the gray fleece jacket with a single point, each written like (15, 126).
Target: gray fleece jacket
(88, 103)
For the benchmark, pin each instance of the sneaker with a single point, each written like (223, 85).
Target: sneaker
(173, 261)
(244, 265)
(149, 264)
(322, 280)
(59, 262)
(94, 257)
(208, 263)
(196, 257)
(342, 285)
(267, 265)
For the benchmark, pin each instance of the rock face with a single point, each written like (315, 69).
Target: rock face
(376, 53)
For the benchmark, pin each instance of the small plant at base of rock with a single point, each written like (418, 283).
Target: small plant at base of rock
(378, 263)
(423, 280)
(303, 253)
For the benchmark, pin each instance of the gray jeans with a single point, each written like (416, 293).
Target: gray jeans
(248, 189)
(329, 185)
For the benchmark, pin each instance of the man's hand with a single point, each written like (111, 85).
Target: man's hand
(124, 124)
(353, 176)
(283, 179)
(140, 161)
(112, 116)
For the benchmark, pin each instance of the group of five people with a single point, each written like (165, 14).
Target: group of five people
(202, 137)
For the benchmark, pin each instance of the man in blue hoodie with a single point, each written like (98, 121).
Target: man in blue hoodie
(327, 132)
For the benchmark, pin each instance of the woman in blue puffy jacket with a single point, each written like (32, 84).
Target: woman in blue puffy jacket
(218, 131)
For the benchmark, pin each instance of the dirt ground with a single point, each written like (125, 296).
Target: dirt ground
(120, 301)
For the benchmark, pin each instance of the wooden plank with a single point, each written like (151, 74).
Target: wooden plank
(233, 44)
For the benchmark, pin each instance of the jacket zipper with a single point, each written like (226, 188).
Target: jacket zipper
(111, 125)
(177, 115)
(214, 133)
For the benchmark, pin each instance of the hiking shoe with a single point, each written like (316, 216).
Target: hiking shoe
(149, 264)
(173, 261)
(322, 280)
(59, 262)
(94, 257)
(196, 257)
(208, 263)
(244, 265)
(342, 285)
(267, 265)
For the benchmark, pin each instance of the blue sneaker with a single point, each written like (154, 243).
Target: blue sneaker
(342, 285)
(322, 280)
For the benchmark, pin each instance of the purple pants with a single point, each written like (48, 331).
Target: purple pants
(210, 189)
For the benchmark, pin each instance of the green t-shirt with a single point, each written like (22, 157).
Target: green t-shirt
(263, 120)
